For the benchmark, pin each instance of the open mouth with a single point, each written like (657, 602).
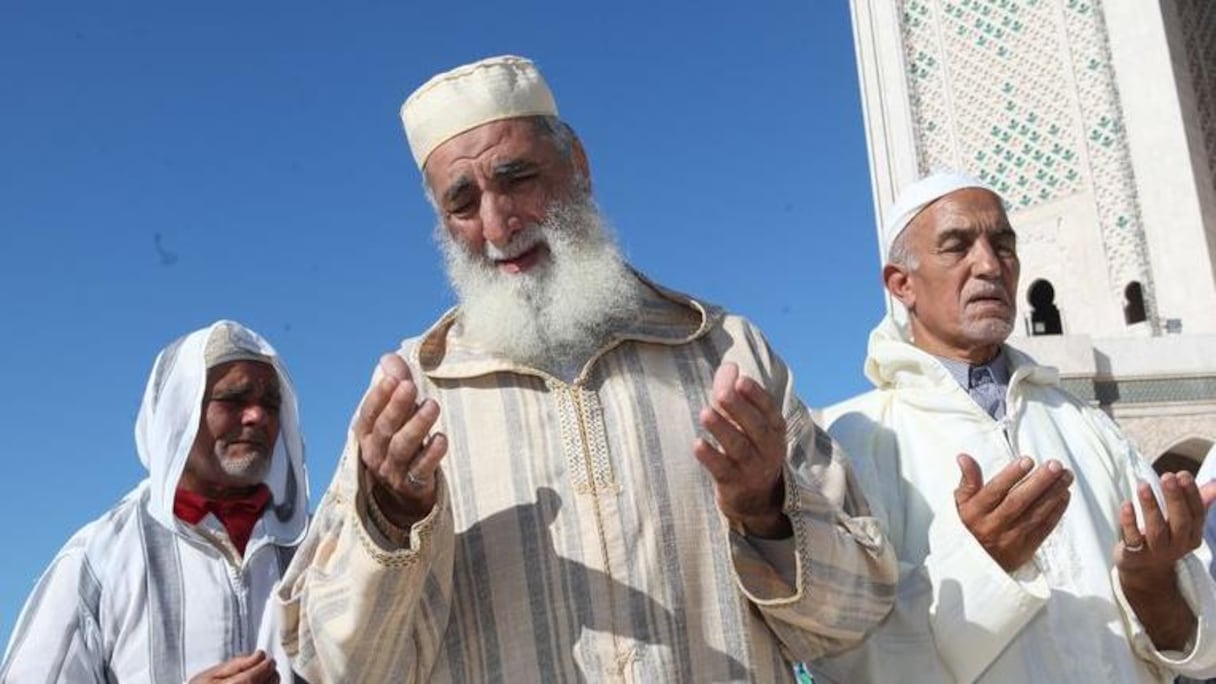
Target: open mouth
(523, 261)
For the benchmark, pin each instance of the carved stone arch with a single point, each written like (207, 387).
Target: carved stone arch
(1133, 303)
(1185, 454)
(1044, 315)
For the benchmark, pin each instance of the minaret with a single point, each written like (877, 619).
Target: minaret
(1096, 120)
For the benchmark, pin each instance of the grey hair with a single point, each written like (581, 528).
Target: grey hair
(548, 126)
(558, 132)
(899, 254)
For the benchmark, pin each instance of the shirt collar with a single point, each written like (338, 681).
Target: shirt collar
(961, 370)
(239, 516)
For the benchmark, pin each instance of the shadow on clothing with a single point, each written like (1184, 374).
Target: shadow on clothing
(556, 611)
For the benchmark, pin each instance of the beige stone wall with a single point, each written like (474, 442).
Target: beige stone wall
(1155, 429)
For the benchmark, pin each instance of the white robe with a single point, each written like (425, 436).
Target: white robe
(140, 596)
(959, 616)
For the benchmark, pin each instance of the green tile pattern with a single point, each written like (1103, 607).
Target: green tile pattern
(1022, 93)
(1148, 391)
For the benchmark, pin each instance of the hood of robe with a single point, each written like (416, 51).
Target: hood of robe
(169, 418)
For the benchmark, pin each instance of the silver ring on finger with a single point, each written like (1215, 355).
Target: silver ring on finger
(417, 482)
(1134, 548)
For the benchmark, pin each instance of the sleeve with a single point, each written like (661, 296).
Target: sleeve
(1194, 582)
(354, 605)
(845, 569)
(977, 608)
(57, 637)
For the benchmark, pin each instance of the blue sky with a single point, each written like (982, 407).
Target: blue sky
(167, 164)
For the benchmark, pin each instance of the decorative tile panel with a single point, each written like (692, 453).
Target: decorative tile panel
(1022, 94)
(1197, 20)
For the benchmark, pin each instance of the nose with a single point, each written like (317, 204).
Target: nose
(253, 414)
(985, 261)
(498, 220)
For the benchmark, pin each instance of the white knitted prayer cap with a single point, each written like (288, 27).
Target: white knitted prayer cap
(468, 96)
(915, 197)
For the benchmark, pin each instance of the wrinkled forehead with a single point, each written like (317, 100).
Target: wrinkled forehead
(482, 149)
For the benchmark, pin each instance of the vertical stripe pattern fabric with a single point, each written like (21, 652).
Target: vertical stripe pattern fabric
(127, 600)
(576, 536)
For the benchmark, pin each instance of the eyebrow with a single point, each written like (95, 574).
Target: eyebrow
(954, 234)
(513, 167)
(458, 186)
(243, 389)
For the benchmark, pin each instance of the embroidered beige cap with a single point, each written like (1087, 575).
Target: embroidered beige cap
(231, 341)
(468, 96)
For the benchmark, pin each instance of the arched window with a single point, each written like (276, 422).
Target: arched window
(1186, 454)
(1133, 304)
(1044, 316)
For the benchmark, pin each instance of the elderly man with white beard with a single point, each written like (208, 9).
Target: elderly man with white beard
(1035, 544)
(576, 474)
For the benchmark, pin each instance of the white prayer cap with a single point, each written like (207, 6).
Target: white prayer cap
(468, 96)
(919, 195)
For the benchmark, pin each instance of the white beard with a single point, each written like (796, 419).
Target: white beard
(247, 468)
(560, 312)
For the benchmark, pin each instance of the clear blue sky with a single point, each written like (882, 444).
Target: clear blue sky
(166, 164)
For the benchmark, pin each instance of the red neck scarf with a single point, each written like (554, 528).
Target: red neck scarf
(238, 515)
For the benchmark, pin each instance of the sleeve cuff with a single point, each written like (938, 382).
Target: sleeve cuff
(1198, 657)
(766, 569)
(388, 544)
(389, 535)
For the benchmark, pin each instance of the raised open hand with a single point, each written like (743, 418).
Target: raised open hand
(748, 468)
(1167, 535)
(399, 458)
(1146, 556)
(1013, 513)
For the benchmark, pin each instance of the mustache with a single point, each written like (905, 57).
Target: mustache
(986, 289)
(521, 242)
(252, 436)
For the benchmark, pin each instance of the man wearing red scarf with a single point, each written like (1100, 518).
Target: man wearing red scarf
(172, 583)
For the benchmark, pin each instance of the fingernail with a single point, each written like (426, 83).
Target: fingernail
(1054, 466)
(387, 382)
(1025, 463)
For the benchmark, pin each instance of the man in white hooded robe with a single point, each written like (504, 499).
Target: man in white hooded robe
(172, 582)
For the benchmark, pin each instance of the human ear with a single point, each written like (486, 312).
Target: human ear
(578, 158)
(898, 282)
